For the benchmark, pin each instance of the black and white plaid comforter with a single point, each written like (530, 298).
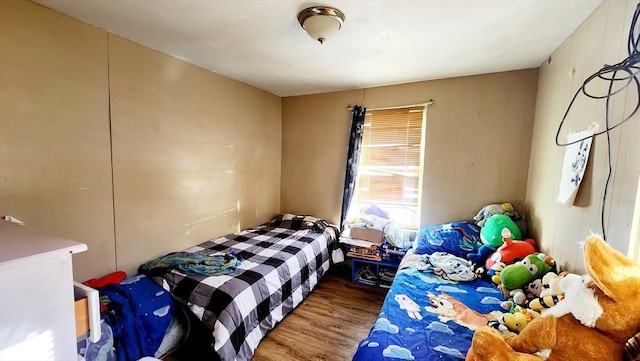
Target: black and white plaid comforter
(283, 260)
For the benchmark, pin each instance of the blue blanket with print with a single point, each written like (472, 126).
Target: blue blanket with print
(192, 263)
(139, 314)
(425, 317)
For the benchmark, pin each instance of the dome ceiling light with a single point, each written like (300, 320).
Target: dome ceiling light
(321, 22)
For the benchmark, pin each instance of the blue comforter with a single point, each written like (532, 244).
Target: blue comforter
(427, 318)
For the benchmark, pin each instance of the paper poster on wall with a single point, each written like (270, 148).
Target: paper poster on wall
(576, 157)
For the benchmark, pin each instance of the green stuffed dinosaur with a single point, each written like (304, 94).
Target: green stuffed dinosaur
(520, 274)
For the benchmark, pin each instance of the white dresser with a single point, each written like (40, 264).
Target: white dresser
(37, 320)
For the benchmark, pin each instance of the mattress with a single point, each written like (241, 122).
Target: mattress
(425, 317)
(281, 262)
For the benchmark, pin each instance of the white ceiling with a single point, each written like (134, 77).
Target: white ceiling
(260, 42)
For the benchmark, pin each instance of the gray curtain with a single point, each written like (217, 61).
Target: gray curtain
(353, 158)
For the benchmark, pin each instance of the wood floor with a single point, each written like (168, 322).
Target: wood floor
(327, 326)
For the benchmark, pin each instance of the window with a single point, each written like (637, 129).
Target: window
(390, 171)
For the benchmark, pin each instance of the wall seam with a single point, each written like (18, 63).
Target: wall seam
(113, 186)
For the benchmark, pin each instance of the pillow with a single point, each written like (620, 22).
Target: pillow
(457, 238)
(298, 222)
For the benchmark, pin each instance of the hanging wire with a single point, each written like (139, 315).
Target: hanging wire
(625, 72)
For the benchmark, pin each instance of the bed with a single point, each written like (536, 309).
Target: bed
(281, 262)
(425, 317)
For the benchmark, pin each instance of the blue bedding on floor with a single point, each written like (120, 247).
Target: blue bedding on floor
(427, 318)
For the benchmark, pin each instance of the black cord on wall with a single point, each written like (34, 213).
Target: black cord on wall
(624, 74)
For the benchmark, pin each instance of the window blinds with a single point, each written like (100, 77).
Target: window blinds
(390, 163)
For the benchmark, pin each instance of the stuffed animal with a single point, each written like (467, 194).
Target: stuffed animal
(551, 285)
(494, 272)
(480, 256)
(521, 297)
(533, 289)
(491, 233)
(491, 209)
(488, 345)
(511, 251)
(514, 298)
(517, 320)
(520, 274)
(541, 304)
(599, 314)
(495, 229)
(498, 325)
(553, 290)
(573, 288)
(528, 313)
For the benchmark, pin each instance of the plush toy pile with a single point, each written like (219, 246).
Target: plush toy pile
(598, 314)
(528, 279)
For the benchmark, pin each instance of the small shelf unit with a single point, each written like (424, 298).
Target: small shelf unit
(373, 273)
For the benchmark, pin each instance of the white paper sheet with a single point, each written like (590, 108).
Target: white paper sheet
(576, 157)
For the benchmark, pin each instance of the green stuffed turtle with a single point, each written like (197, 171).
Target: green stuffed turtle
(496, 227)
(491, 232)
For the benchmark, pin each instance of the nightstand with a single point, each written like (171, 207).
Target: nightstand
(36, 298)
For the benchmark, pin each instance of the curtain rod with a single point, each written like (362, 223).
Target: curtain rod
(429, 102)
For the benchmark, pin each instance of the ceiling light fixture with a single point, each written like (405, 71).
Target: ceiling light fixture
(321, 21)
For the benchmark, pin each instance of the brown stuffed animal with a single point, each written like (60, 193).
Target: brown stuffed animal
(598, 318)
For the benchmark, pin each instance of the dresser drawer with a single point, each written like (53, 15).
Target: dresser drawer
(82, 316)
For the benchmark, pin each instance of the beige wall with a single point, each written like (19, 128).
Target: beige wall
(477, 146)
(601, 39)
(55, 163)
(195, 154)
(315, 135)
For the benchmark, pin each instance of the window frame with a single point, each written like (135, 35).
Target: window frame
(357, 205)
